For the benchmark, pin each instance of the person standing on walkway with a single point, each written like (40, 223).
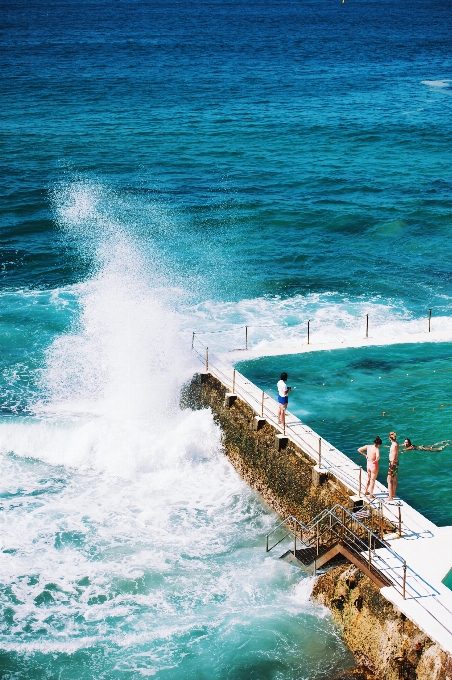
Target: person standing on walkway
(372, 453)
(283, 399)
(393, 468)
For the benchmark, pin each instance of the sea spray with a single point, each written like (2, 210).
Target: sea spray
(130, 545)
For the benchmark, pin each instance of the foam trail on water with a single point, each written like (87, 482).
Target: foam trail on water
(282, 322)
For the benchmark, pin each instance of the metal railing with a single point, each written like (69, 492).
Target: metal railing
(265, 406)
(306, 324)
(297, 524)
(340, 525)
(312, 444)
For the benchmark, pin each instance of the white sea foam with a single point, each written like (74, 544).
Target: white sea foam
(124, 524)
(282, 322)
(436, 83)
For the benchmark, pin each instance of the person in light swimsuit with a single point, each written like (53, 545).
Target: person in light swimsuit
(393, 468)
(439, 446)
(283, 398)
(372, 453)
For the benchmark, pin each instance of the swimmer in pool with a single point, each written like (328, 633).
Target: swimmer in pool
(372, 454)
(439, 446)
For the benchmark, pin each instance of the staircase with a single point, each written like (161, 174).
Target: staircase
(341, 532)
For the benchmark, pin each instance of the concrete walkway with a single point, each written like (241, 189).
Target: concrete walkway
(428, 601)
(426, 548)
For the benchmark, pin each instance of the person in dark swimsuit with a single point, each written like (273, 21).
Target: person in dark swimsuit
(439, 446)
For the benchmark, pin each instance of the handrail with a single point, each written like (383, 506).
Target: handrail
(290, 518)
(256, 404)
(367, 550)
(346, 472)
(284, 521)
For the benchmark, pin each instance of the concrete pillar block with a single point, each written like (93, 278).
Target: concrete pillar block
(258, 423)
(319, 475)
(357, 503)
(281, 442)
(202, 377)
(229, 399)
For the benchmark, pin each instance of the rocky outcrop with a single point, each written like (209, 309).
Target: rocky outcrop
(360, 673)
(382, 639)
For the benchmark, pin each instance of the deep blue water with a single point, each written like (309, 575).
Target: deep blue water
(177, 166)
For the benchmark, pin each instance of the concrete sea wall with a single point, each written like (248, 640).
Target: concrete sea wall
(283, 479)
(385, 643)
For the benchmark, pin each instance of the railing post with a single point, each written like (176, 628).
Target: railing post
(370, 548)
(381, 518)
(193, 339)
(246, 337)
(308, 330)
(262, 404)
(317, 540)
(367, 325)
(429, 319)
(360, 480)
(233, 381)
(266, 546)
(400, 522)
(207, 359)
(295, 543)
(404, 579)
(320, 452)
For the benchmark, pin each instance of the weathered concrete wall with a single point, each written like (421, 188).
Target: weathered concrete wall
(386, 644)
(283, 479)
(381, 638)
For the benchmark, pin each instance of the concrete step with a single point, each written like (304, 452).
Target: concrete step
(307, 560)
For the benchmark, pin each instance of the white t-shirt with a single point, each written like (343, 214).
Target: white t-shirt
(282, 387)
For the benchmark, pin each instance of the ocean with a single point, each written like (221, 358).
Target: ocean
(170, 167)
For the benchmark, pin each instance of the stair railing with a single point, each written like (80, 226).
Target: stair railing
(340, 525)
(297, 525)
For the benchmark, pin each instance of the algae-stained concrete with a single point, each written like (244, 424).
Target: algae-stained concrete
(381, 638)
(284, 479)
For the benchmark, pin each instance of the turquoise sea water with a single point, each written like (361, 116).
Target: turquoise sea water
(168, 167)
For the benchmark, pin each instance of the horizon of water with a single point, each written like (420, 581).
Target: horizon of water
(171, 167)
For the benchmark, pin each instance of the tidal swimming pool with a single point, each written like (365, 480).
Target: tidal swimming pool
(350, 396)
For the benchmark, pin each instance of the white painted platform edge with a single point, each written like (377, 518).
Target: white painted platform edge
(275, 349)
(422, 618)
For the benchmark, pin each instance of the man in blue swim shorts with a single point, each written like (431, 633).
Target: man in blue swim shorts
(283, 398)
